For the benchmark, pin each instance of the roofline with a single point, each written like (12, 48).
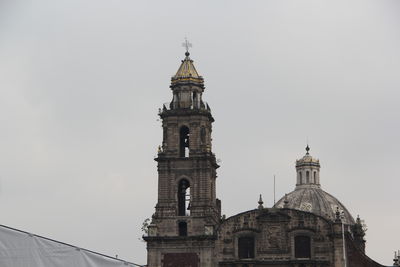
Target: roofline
(280, 209)
(69, 245)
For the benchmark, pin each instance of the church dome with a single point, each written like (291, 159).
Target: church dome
(308, 195)
(315, 200)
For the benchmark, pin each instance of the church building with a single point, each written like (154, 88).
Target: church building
(306, 228)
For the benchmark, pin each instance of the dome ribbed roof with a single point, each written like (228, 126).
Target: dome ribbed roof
(314, 200)
(308, 195)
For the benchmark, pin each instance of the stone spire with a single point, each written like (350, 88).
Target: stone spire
(260, 203)
(307, 171)
(286, 202)
(358, 230)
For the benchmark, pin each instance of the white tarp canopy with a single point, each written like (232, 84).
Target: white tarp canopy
(22, 249)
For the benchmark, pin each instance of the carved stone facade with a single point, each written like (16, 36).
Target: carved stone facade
(305, 228)
(274, 232)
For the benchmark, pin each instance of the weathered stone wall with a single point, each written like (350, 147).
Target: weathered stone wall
(274, 231)
(180, 252)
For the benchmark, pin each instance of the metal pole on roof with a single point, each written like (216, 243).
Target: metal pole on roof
(274, 191)
(344, 242)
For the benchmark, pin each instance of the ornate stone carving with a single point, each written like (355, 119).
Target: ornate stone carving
(273, 237)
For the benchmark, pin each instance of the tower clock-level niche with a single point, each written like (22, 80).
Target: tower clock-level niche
(187, 212)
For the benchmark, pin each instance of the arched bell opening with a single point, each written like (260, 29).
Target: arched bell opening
(203, 135)
(195, 100)
(183, 198)
(184, 142)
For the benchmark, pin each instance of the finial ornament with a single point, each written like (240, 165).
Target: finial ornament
(260, 203)
(337, 215)
(286, 202)
(307, 149)
(186, 44)
(396, 260)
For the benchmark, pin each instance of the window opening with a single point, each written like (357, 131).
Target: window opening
(315, 177)
(301, 177)
(183, 198)
(165, 135)
(302, 246)
(203, 135)
(182, 228)
(184, 142)
(307, 177)
(246, 247)
(211, 189)
(195, 100)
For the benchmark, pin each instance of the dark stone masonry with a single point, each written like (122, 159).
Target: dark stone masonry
(306, 228)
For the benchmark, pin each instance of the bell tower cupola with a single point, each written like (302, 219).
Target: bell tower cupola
(187, 86)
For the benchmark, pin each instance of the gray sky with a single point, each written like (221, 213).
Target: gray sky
(81, 83)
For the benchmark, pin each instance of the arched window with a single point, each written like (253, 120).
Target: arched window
(184, 142)
(165, 135)
(203, 135)
(307, 177)
(183, 198)
(246, 247)
(302, 246)
(315, 177)
(301, 177)
(182, 228)
(195, 101)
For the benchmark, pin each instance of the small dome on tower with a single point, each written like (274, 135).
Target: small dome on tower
(187, 72)
(307, 171)
(187, 86)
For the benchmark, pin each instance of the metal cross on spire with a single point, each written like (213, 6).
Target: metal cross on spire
(186, 44)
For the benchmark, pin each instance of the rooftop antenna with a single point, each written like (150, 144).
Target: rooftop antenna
(186, 45)
(274, 191)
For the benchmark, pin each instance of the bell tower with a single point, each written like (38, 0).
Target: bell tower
(187, 213)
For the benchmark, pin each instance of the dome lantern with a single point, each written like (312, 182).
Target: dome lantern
(308, 195)
(307, 171)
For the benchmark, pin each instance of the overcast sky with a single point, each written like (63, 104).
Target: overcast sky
(81, 82)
